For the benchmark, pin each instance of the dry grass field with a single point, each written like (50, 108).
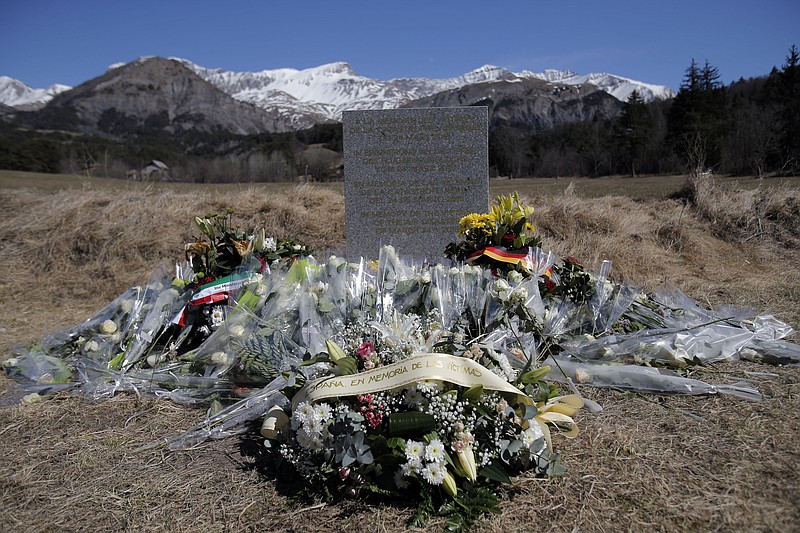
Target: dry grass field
(646, 463)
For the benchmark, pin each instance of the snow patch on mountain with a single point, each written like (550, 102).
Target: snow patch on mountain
(14, 93)
(617, 86)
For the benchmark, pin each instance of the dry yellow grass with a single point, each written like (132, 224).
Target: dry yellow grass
(644, 464)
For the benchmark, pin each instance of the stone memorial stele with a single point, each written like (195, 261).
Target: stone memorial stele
(410, 175)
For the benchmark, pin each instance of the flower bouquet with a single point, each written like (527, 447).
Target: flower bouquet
(395, 377)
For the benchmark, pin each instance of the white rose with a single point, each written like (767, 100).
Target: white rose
(236, 330)
(108, 327)
(514, 276)
(91, 346)
(31, 398)
(582, 376)
(219, 358)
(520, 295)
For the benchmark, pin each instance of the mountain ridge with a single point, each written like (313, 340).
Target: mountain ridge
(321, 93)
(151, 95)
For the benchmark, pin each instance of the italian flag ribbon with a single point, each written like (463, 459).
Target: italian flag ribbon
(217, 291)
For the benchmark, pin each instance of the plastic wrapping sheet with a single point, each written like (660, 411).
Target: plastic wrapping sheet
(639, 378)
(715, 342)
(279, 318)
(774, 352)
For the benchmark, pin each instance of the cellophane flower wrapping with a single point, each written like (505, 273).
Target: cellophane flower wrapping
(493, 343)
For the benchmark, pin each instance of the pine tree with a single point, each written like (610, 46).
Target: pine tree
(634, 131)
(788, 90)
(698, 117)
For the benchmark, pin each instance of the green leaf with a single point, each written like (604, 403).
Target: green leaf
(410, 423)
(495, 472)
(473, 393)
(535, 375)
(347, 365)
(116, 363)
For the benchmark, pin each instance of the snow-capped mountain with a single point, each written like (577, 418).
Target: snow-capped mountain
(617, 86)
(14, 93)
(322, 93)
(330, 89)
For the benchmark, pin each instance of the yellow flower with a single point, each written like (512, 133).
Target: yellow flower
(559, 411)
(476, 221)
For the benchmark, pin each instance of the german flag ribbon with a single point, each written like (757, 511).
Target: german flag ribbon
(499, 253)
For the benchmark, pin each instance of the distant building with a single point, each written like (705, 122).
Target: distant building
(155, 171)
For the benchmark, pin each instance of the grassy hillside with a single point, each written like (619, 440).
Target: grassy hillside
(69, 245)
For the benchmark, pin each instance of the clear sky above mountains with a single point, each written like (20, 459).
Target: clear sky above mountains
(52, 41)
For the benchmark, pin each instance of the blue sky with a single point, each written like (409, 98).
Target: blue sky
(58, 41)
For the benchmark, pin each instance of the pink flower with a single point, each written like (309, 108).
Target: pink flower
(365, 350)
(375, 421)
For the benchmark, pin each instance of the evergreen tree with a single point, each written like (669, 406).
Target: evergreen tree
(698, 117)
(634, 132)
(788, 91)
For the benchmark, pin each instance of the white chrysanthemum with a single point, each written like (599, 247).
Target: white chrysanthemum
(304, 411)
(429, 386)
(217, 316)
(316, 444)
(434, 451)
(313, 426)
(303, 440)
(270, 244)
(322, 411)
(414, 450)
(413, 466)
(413, 398)
(531, 436)
(433, 473)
